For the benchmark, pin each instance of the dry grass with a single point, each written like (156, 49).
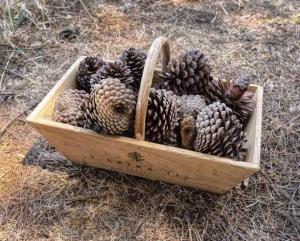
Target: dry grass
(45, 197)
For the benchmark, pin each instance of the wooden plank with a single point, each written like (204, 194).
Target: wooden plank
(145, 159)
(253, 129)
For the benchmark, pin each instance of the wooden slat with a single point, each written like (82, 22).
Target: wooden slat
(253, 129)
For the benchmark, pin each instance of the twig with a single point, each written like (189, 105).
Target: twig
(12, 72)
(8, 124)
(81, 198)
(9, 13)
(85, 8)
(17, 74)
(17, 49)
(224, 10)
(138, 227)
(106, 224)
(5, 68)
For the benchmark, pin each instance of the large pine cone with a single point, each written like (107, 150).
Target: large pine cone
(111, 107)
(234, 94)
(187, 75)
(134, 59)
(161, 115)
(219, 132)
(69, 107)
(87, 68)
(116, 70)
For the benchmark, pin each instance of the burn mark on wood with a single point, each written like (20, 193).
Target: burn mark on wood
(135, 156)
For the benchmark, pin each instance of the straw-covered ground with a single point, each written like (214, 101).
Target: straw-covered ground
(45, 197)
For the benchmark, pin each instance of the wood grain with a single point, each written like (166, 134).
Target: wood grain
(253, 128)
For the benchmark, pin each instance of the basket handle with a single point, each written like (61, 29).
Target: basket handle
(160, 44)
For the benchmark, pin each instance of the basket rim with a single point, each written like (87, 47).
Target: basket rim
(37, 118)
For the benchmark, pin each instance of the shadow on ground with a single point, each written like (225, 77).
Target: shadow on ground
(115, 197)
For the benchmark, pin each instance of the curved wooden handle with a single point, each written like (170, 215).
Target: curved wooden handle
(159, 44)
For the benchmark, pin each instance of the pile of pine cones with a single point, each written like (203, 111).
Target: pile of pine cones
(187, 108)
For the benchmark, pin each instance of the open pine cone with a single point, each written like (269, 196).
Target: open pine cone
(134, 59)
(219, 132)
(116, 70)
(86, 69)
(111, 107)
(234, 94)
(69, 107)
(187, 75)
(161, 115)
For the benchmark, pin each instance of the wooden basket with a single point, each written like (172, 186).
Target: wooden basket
(142, 158)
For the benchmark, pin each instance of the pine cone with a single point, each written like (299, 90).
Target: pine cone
(86, 69)
(116, 70)
(173, 139)
(238, 87)
(69, 107)
(234, 94)
(188, 75)
(187, 132)
(161, 115)
(134, 59)
(190, 105)
(219, 132)
(111, 107)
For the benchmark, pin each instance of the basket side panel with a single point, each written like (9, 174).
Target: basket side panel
(142, 159)
(253, 128)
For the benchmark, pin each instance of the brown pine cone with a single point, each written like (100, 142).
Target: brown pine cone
(116, 70)
(87, 68)
(187, 75)
(111, 107)
(69, 107)
(161, 115)
(219, 132)
(134, 59)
